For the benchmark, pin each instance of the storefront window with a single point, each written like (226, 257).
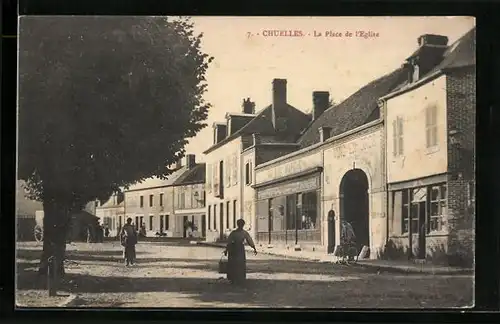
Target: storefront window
(438, 207)
(309, 210)
(291, 211)
(405, 212)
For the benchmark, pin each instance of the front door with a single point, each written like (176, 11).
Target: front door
(203, 226)
(184, 222)
(418, 228)
(331, 232)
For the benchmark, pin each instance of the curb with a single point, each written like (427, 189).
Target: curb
(374, 267)
(70, 301)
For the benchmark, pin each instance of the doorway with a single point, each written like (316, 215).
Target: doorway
(185, 224)
(418, 229)
(354, 205)
(331, 232)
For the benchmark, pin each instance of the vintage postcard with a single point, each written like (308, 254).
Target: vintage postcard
(229, 162)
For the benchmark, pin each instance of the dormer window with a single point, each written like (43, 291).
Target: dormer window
(416, 73)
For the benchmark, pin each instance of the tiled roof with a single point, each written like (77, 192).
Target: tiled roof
(194, 175)
(157, 182)
(262, 124)
(461, 53)
(355, 110)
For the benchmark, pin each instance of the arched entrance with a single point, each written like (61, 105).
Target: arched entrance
(354, 204)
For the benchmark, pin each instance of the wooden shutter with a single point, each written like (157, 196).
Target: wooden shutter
(394, 138)
(400, 136)
(397, 221)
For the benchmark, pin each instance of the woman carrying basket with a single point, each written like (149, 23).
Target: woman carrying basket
(235, 250)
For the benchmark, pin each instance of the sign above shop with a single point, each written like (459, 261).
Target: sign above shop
(283, 189)
(288, 168)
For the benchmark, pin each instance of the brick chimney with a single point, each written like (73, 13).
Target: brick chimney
(220, 132)
(432, 40)
(190, 161)
(321, 101)
(248, 106)
(426, 57)
(279, 103)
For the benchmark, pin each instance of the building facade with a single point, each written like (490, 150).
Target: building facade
(231, 160)
(189, 204)
(152, 203)
(112, 213)
(364, 162)
(430, 152)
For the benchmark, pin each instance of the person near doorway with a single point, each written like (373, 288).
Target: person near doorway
(128, 239)
(235, 250)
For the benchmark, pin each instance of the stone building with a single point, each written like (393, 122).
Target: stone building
(189, 203)
(150, 203)
(353, 162)
(430, 127)
(231, 160)
(111, 213)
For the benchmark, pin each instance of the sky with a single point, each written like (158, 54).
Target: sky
(246, 59)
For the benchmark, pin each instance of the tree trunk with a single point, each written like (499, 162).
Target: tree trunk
(55, 225)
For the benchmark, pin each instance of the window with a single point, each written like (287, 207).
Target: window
(234, 213)
(204, 197)
(309, 210)
(471, 194)
(120, 221)
(167, 222)
(228, 209)
(405, 215)
(431, 126)
(151, 200)
(248, 173)
(161, 224)
(141, 221)
(291, 211)
(424, 204)
(141, 201)
(161, 199)
(416, 73)
(151, 218)
(228, 171)
(437, 207)
(235, 169)
(137, 223)
(215, 217)
(397, 137)
(209, 215)
(209, 178)
(182, 199)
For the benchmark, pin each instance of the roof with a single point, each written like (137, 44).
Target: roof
(262, 124)
(462, 53)
(157, 182)
(355, 110)
(193, 175)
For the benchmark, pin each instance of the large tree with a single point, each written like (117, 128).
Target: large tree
(104, 102)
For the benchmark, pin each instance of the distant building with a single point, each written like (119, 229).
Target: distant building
(189, 203)
(151, 202)
(240, 143)
(111, 214)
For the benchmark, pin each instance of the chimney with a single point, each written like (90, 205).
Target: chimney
(256, 138)
(220, 132)
(279, 102)
(432, 40)
(190, 161)
(321, 101)
(324, 133)
(248, 106)
(178, 164)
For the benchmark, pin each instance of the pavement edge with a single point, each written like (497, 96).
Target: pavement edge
(374, 267)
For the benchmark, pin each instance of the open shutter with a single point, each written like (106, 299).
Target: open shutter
(400, 136)
(394, 138)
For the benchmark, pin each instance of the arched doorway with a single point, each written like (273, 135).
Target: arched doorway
(354, 204)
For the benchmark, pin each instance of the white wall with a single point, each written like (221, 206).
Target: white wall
(417, 161)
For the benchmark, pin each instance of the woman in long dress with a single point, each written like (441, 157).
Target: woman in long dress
(235, 249)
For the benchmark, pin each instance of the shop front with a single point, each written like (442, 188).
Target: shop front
(288, 210)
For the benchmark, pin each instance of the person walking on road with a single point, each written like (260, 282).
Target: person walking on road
(235, 250)
(128, 239)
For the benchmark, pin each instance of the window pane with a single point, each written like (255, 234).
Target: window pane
(405, 196)
(442, 207)
(443, 191)
(414, 226)
(405, 226)
(434, 223)
(434, 193)
(419, 194)
(405, 212)
(434, 208)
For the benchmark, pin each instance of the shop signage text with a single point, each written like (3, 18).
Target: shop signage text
(289, 188)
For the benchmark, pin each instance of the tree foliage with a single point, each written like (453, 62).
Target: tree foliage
(105, 102)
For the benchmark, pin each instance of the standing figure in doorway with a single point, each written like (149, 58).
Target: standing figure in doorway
(235, 249)
(128, 239)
